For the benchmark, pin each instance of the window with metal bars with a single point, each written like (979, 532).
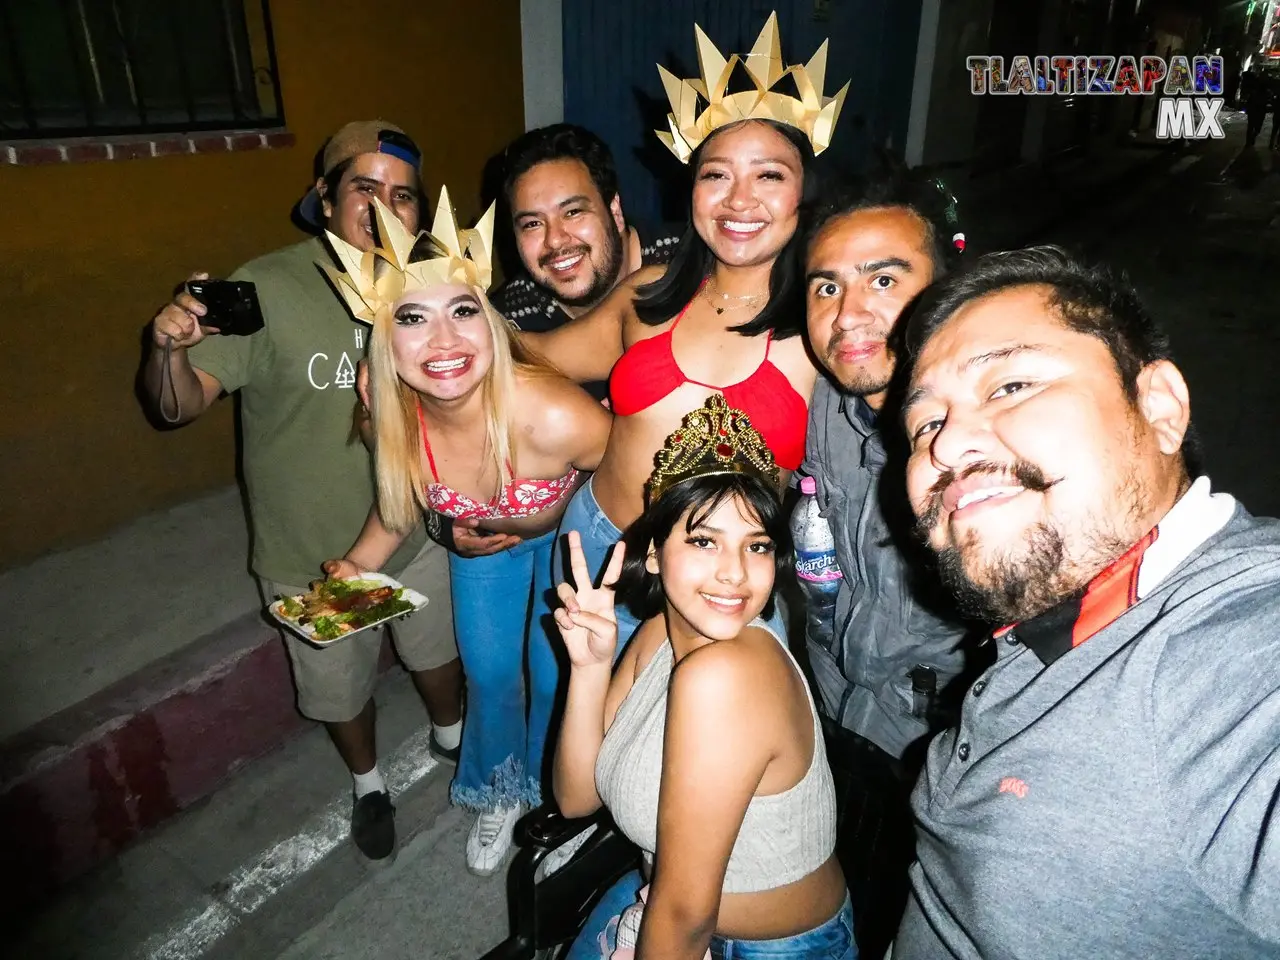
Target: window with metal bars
(105, 67)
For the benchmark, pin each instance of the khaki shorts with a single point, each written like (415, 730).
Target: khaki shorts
(335, 682)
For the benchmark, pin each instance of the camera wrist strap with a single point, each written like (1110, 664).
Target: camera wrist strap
(168, 386)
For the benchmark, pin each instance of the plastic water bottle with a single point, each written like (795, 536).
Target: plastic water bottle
(816, 567)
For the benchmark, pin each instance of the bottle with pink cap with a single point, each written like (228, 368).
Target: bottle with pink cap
(816, 566)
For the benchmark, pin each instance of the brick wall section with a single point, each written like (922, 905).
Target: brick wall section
(28, 153)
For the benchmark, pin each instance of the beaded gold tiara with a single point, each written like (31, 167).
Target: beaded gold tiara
(715, 438)
(371, 281)
(811, 112)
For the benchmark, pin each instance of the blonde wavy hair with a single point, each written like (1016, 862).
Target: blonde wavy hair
(397, 435)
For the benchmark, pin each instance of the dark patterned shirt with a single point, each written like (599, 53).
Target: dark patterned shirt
(533, 308)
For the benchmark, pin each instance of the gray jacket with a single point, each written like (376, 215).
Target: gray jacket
(887, 615)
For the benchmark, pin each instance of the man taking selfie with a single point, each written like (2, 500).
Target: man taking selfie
(309, 484)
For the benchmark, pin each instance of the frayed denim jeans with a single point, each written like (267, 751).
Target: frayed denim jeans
(501, 617)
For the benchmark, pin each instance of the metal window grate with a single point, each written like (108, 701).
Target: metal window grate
(106, 67)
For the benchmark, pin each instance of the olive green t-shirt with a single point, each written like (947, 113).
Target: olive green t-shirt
(308, 476)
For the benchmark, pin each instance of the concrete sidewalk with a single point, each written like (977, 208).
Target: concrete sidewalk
(93, 615)
(264, 868)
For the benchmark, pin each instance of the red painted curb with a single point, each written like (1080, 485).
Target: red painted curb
(78, 787)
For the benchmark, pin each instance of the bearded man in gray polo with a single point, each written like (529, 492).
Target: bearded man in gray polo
(1113, 787)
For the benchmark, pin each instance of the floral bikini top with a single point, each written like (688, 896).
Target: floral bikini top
(519, 498)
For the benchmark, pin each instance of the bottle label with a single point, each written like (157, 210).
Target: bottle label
(818, 568)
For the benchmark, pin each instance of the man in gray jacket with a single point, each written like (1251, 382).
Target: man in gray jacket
(1111, 788)
(895, 644)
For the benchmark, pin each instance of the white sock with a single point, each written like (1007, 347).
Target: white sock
(450, 736)
(370, 782)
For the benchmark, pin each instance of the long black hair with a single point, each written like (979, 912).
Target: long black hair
(695, 499)
(784, 314)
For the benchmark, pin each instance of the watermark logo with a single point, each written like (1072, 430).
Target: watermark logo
(1175, 119)
(1190, 88)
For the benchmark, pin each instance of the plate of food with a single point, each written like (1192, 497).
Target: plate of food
(335, 609)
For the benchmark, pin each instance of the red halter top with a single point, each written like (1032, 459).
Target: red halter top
(649, 371)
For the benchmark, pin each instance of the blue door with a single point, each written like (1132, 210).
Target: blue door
(611, 48)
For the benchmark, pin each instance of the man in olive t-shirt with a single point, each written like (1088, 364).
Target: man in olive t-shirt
(309, 478)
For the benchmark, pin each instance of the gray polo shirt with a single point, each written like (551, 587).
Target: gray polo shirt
(1122, 800)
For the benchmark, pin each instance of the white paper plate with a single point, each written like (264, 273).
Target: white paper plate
(308, 632)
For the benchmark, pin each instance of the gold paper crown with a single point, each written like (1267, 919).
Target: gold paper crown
(715, 438)
(812, 113)
(373, 280)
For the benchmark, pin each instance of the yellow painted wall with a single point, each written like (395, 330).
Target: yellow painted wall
(89, 251)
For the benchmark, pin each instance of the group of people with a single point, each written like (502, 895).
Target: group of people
(1000, 452)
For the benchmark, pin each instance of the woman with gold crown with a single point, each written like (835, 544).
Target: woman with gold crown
(704, 743)
(467, 425)
(725, 316)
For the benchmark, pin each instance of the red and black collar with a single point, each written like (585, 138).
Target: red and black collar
(1076, 619)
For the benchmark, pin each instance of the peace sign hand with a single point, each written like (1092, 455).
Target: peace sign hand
(587, 620)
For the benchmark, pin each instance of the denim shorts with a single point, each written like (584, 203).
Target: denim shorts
(832, 940)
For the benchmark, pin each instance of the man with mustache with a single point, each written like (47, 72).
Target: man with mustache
(869, 255)
(309, 487)
(574, 241)
(1113, 786)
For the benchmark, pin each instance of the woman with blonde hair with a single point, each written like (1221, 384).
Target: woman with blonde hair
(467, 425)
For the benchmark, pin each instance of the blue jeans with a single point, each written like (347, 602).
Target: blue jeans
(832, 940)
(599, 534)
(498, 623)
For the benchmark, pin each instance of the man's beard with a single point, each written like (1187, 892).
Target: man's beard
(1016, 586)
(602, 280)
(1037, 573)
(864, 383)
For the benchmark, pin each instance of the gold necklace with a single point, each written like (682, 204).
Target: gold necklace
(728, 302)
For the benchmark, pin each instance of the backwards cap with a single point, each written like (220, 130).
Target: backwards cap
(371, 281)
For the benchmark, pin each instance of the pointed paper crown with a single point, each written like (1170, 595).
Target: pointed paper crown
(372, 281)
(812, 112)
(715, 438)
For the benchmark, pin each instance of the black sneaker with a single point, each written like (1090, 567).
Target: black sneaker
(447, 755)
(373, 825)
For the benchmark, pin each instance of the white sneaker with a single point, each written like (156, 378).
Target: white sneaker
(562, 854)
(490, 839)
